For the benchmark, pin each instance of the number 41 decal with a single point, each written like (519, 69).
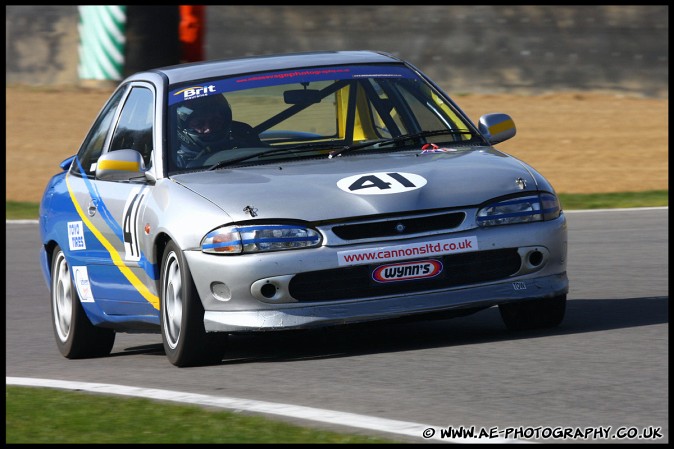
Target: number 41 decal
(130, 224)
(381, 183)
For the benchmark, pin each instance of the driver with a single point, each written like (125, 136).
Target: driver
(204, 126)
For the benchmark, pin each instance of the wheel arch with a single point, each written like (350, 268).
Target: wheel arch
(46, 262)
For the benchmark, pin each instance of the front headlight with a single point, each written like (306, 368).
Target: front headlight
(259, 238)
(521, 209)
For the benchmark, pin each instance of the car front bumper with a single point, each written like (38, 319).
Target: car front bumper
(308, 316)
(232, 292)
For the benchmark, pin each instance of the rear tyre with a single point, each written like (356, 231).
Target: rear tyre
(75, 336)
(534, 314)
(185, 340)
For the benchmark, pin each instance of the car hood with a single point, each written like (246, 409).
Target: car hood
(350, 186)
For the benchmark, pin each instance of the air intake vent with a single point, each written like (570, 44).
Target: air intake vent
(399, 226)
(356, 282)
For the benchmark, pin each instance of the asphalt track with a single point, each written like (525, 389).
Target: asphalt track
(601, 375)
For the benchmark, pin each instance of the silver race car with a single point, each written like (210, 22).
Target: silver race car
(288, 192)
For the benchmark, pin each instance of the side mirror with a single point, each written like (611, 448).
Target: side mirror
(497, 127)
(302, 96)
(120, 165)
(65, 165)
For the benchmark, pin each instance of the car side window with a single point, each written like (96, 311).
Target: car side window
(134, 129)
(92, 147)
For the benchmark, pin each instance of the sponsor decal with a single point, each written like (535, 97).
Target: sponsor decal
(519, 286)
(76, 236)
(293, 74)
(82, 284)
(381, 183)
(405, 271)
(332, 73)
(195, 92)
(410, 251)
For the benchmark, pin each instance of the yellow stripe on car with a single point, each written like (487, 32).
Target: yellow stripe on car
(118, 165)
(500, 127)
(116, 258)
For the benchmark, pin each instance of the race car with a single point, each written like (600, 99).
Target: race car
(292, 191)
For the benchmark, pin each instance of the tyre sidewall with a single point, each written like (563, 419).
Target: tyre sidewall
(192, 346)
(64, 346)
(83, 340)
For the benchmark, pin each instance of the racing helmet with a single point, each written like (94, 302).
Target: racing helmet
(202, 123)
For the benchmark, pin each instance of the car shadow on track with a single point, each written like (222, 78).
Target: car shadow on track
(583, 315)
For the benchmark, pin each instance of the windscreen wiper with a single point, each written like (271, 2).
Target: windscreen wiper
(298, 149)
(398, 139)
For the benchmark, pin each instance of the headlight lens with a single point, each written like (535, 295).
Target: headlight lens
(522, 209)
(259, 238)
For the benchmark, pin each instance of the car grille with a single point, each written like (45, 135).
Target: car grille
(399, 226)
(356, 282)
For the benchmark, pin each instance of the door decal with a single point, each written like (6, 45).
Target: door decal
(130, 224)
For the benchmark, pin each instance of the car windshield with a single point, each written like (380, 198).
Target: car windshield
(319, 112)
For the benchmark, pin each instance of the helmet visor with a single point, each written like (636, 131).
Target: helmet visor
(206, 123)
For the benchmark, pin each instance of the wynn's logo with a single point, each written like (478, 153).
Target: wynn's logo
(406, 271)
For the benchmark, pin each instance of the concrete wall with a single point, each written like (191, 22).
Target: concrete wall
(483, 48)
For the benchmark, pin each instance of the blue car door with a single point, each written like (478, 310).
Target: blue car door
(119, 278)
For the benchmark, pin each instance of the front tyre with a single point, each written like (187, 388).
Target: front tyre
(75, 336)
(534, 314)
(185, 340)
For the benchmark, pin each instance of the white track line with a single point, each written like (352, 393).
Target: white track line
(354, 420)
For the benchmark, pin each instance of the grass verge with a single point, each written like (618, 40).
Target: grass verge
(43, 415)
(652, 198)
